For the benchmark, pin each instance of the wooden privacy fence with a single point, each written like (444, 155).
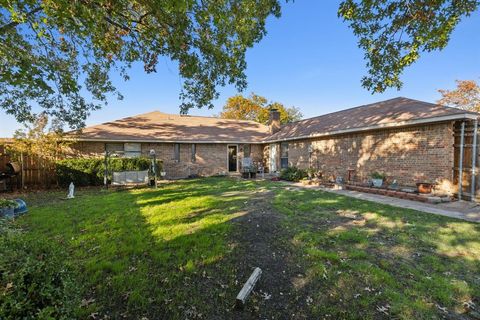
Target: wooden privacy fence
(35, 173)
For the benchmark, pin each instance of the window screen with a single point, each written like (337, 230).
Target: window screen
(132, 150)
(176, 151)
(284, 155)
(246, 150)
(194, 152)
(114, 148)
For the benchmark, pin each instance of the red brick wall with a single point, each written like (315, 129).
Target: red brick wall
(409, 155)
(87, 149)
(211, 159)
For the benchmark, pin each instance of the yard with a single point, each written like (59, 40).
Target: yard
(184, 251)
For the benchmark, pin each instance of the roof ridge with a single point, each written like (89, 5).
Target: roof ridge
(213, 117)
(383, 101)
(137, 115)
(445, 106)
(351, 108)
(379, 109)
(348, 109)
(174, 115)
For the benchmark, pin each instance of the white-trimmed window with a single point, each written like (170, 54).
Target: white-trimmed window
(176, 152)
(129, 150)
(194, 152)
(247, 150)
(115, 149)
(132, 150)
(284, 155)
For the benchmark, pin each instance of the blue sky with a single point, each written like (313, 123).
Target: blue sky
(308, 59)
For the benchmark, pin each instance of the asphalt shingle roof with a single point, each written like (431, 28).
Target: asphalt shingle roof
(376, 115)
(158, 126)
(161, 127)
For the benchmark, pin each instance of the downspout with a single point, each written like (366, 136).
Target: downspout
(23, 172)
(474, 160)
(460, 169)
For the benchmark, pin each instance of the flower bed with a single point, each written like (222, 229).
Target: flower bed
(394, 193)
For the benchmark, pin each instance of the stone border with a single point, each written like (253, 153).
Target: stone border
(399, 194)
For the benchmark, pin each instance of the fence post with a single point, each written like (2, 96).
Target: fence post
(23, 171)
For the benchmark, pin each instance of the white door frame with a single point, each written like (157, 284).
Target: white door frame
(273, 157)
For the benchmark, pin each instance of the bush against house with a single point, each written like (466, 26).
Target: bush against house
(293, 174)
(91, 171)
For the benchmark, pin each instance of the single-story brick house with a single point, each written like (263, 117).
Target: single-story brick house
(408, 140)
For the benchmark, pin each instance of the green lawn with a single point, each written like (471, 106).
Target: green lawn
(185, 249)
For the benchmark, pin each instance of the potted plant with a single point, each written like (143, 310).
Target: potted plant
(306, 181)
(246, 172)
(7, 208)
(377, 179)
(311, 173)
(424, 187)
(253, 171)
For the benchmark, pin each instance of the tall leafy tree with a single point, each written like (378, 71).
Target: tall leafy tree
(58, 55)
(393, 33)
(37, 139)
(257, 108)
(465, 96)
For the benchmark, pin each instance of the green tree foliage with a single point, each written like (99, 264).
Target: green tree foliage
(39, 140)
(393, 33)
(58, 55)
(257, 108)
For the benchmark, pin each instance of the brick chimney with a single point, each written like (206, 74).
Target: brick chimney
(274, 120)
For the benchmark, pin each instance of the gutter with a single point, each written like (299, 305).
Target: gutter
(161, 141)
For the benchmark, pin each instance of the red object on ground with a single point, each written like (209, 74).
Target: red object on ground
(424, 187)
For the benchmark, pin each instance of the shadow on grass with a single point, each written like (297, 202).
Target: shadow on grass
(155, 253)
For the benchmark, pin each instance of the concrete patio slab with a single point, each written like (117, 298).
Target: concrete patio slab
(464, 210)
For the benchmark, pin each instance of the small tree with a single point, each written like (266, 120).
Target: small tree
(37, 140)
(44, 146)
(466, 96)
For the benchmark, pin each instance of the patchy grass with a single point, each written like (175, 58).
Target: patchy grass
(145, 252)
(175, 253)
(364, 259)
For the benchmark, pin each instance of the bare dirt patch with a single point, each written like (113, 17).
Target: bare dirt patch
(262, 241)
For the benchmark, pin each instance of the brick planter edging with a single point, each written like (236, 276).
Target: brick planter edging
(388, 192)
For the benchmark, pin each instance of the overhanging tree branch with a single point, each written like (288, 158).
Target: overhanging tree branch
(13, 24)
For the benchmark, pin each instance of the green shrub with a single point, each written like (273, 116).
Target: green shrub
(90, 171)
(4, 203)
(35, 280)
(378, 175)
(292, 174)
